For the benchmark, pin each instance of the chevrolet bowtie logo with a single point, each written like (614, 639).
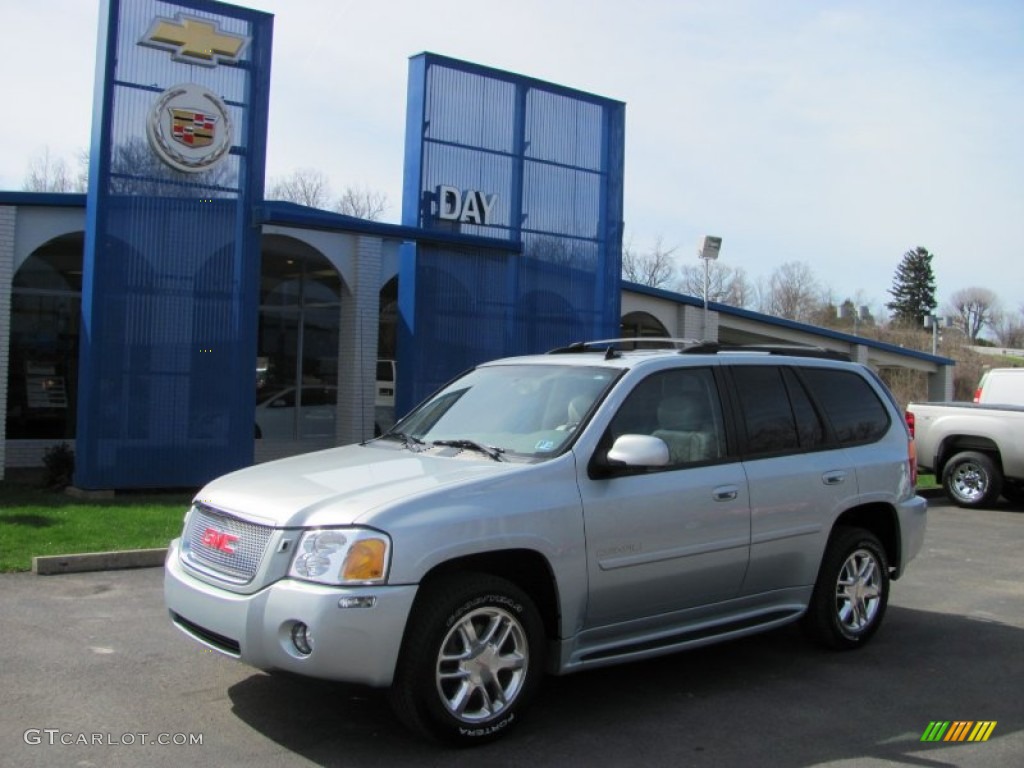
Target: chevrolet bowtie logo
(191, 40)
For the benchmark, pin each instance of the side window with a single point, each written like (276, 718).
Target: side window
(682, 408)
(765, 408)
(851, 405)
(808, 424)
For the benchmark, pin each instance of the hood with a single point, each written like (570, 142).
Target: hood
(342, 486)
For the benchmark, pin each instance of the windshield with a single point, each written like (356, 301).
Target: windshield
(531, 410)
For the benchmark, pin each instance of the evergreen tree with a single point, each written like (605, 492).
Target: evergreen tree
(913, 289)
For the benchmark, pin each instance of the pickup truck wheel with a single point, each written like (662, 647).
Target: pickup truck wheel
(471, 660)
(851, 593)
(971, 479)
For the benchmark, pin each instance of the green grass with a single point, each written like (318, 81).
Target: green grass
(36, 522)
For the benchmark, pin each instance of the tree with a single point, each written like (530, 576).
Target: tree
(362, 203)
(726, 285)
(1008, 329)
(310, 187)
(913, 288)
(972, 309)
(306, 186)
(47, 173)
(792, 292)
(653, 269)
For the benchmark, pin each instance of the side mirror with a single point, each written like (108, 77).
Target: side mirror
(630, 452)
(639, 451)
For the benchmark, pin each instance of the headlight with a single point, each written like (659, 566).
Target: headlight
(342, 556)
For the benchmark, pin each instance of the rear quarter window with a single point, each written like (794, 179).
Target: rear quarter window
(851, 406)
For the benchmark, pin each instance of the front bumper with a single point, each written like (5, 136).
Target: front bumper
(355, 644)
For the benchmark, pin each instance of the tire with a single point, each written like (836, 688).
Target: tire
(471, 660)
(972, 480)
(851, 593)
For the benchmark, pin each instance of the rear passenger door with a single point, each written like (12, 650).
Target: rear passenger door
(799, 478)
(668, 538)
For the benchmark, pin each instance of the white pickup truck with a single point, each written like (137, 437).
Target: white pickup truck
(976, 449)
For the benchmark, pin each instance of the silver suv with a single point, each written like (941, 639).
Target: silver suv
(555, 513)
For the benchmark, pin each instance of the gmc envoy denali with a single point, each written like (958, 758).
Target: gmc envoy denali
(553, 513)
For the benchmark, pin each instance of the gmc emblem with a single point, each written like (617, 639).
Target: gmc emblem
(219, 540)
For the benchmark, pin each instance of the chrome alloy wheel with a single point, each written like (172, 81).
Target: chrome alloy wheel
(969, 481)
(858, 591)
(482, 664)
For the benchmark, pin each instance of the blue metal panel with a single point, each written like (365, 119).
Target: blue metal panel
(171, 268)
(553, 157)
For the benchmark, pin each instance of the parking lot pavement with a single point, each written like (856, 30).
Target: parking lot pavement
(91, 659)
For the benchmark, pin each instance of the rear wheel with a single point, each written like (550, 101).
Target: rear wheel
(972, 479)
(472, 659)
(852, 591)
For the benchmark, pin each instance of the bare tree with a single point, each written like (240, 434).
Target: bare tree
(726, 285)
(47, 173)
(653, 269)
(1008, 328)
(310, 187)
(972, 309)
(791, 292)
(362, 202)
(306, 186)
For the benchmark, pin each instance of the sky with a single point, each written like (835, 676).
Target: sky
(837, 133)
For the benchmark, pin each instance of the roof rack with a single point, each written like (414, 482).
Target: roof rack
(792, 350)
(611, 347)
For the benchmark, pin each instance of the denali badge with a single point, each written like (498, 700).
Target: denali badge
(219, 540)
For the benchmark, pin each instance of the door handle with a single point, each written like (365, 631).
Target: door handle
(834, 478)
(725, 493)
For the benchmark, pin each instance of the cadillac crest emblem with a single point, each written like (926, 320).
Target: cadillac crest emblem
(189, 128)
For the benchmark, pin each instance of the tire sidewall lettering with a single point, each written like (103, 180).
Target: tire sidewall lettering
(502, 601)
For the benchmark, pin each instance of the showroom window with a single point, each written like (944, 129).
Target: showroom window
(46, 299)
(297, 358)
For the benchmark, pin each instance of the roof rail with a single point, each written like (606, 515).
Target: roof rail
(793, 350)
(612, 347)
(623, 345)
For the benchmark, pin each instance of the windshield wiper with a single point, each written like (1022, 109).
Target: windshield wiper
(409, 441)
(473, 445)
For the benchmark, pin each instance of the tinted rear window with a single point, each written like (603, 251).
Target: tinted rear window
(851, 405)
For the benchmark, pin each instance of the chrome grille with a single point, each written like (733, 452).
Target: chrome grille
(224, 545)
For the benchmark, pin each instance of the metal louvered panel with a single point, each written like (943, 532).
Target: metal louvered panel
(222, 545)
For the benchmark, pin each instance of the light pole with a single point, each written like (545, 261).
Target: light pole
(935, 322)
(707, 251)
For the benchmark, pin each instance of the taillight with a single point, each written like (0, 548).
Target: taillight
(910, 422)
(977, 395)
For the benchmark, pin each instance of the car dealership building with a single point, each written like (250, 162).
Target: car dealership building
(173, 325)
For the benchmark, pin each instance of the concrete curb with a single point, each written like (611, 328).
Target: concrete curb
(98, 561)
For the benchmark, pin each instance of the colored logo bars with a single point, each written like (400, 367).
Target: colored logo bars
(958, 730)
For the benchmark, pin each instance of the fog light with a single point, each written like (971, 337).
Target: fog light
(302, 638)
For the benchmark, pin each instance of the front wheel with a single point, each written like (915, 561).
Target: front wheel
(972, 479)
(472, 659)
(852, 591)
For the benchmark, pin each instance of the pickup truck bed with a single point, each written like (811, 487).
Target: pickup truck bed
(976, 450)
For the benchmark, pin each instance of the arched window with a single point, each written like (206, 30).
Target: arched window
(638, 325)
(297, 353)
(46, 301)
